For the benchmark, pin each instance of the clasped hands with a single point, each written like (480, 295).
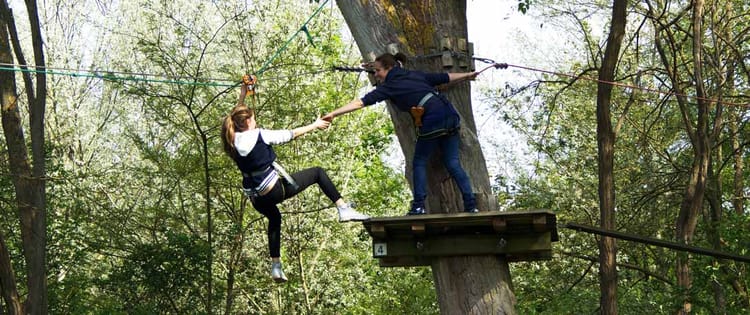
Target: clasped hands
(323, 122)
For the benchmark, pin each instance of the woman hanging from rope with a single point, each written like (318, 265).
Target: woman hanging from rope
(436, 119)
(265, 182)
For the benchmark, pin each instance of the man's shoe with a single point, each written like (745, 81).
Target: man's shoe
(474, 210)
(416, 211)
(347, 213)
(276, 273)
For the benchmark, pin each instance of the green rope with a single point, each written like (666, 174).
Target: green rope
(112, 77)
(283, 47)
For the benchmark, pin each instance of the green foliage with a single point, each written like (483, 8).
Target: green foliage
(160, 276)
(136, 168)
(652, 155)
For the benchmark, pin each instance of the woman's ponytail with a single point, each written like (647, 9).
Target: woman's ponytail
(235, 121)
(388, 60)
(400, 58)
(227, 136)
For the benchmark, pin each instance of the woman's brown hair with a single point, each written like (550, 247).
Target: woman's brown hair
(235, 121)
(388, 60)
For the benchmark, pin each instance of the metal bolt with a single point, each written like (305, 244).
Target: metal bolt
(501, 243)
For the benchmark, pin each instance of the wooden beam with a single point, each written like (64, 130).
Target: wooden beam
(657, 242)
(418, 228)
(378, 231)
(499, 224)
(416, 240)
(464, 245)
(539, 223)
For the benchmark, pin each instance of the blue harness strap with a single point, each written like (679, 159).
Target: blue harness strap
(425, 98)
(434, 133)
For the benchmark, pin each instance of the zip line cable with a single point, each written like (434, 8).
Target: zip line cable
(144, 77)
(137, 76)
(108, 72)
(634, 87)
(113, 75)
(457, 54)
(303, 29)
(152, 78)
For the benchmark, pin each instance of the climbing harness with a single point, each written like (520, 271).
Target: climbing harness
(417, 112)
(253, 193)
(289, 179)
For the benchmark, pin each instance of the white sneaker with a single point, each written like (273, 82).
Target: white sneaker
(347, 213)
(276, 273)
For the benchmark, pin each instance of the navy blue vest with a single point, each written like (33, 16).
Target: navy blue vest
(257, 164)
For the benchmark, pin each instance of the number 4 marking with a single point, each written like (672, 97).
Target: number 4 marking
(379, 249)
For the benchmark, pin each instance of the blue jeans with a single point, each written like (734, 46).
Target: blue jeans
(449, 145)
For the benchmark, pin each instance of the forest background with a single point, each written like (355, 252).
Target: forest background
(145, 215)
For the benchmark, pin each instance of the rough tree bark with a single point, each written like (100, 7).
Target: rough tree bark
(28, 177)
(606, 149)
(465, 285)
(8, 281)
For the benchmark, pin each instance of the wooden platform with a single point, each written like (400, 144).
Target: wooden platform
(416, 240)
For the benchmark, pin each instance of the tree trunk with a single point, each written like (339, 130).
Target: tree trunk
(738, 200)
(465, 285)
(696, 187)
(713, 196)
(8, 281)
(28, 177)
(697, 130)
(606, 144)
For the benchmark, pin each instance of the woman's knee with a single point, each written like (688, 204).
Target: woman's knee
(420, 161)
(320, 171)
(453, 166)
(274, 219)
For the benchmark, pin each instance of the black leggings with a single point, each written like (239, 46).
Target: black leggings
(282, 190)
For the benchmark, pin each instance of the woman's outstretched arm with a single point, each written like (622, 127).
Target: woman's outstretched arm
(352, 106)
(460, 76)
(317, 124)
(243, 92)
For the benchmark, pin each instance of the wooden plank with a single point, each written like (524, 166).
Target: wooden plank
(499, 224)
(416, 240)
(464, 245)
(451, 217)
(539, 222)
(378, 231)
(418, 228)
(422, 261)
(482, 218)
(494, 222)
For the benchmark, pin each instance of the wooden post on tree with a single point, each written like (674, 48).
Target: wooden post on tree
(464, 284)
